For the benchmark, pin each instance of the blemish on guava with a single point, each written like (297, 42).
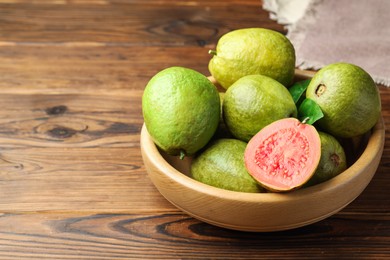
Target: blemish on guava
(320, 90)
(334, 158)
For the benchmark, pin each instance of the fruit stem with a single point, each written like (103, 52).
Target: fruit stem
(212, 52)
(305, 120)
(182, 154)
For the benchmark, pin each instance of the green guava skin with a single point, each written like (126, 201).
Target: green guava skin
(333, 160)
(222, 165)
(181, 110)
(253, 51)
(348, 98)
(253, 102)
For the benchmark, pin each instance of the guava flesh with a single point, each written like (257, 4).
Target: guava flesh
(284, 155)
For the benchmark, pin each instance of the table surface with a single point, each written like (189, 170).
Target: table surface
(72, 73)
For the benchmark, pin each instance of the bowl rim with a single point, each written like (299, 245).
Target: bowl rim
(375, 143)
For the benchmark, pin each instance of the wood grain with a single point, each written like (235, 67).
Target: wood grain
(77, 70)
(130, 23)
(72, 180)
(177, 236)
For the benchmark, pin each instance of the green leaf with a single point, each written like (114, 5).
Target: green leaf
(298, 89)
(309, 111)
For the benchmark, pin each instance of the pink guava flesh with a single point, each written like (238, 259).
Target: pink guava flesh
(283, 155)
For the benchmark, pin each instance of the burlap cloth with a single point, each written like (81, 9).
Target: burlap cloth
(328, 31)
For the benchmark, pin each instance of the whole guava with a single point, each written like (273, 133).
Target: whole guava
(181, 110)
(253, 102)
(333, 160)
(253, 51)
(348, 98)
(222, 165)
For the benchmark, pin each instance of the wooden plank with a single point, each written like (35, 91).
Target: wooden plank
(141, 23)
(68, 152)
(72, 120)
(176, 236)
(80, 69)
(84, 180)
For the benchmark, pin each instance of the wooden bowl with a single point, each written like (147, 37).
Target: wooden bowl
(263, 212)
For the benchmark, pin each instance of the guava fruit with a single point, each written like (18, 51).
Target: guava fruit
(284, 155)
(333, 160)
(250, 51)
(348, 98)
(181, 110)
(222, 165)
(253, 102)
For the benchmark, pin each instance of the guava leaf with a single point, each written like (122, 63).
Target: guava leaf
(298, 89)
(309, 111)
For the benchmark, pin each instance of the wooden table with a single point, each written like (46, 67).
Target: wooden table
(73, 184)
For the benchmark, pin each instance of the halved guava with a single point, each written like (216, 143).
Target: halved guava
(283, 155)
